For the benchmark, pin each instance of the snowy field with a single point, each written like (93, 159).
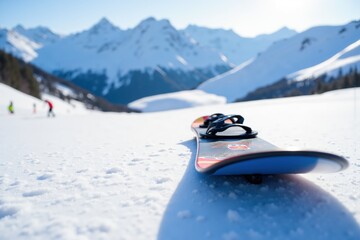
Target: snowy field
(89, 175)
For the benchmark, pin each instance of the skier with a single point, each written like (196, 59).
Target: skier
(51, 106)
(34, 108)
(11, 108)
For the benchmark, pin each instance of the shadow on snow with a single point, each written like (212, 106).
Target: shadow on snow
(228, 207)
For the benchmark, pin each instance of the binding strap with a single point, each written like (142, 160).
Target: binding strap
(220, 125)
(234, 118)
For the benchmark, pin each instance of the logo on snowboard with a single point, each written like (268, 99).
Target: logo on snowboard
(238, 147)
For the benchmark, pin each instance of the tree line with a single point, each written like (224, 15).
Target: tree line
(17, 74)
(321, 84)
(349, 80)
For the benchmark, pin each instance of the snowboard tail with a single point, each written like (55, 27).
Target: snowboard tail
(238, 151)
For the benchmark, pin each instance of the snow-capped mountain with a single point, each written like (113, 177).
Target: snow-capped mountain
(284, 57)
(41, 35)
(343, 61)
(18, 45)
(236, 48)
(123, 66)
(25, 43)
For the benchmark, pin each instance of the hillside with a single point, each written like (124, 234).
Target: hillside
(337, 72)
(283, 58)
(36, 82)
(18, 75)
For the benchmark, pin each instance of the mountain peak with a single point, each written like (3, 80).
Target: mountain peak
(19, 28)
(104, 21)
(103, 24)
(151, 21)
(285, 30)
(148, 20)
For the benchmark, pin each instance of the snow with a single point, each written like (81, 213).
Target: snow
(131, 176)
(347, 59)
(18, 45)
(106, 49)
(237, 49)
(23, 104)
(177, 100)
(41, 35)
(284, 58)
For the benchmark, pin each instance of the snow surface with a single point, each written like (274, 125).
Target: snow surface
(131, 176)
(283, 58)
(177, 100)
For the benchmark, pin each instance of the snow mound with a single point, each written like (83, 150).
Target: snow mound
(178, 100)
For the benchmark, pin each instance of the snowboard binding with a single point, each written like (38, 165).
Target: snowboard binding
(220, 123)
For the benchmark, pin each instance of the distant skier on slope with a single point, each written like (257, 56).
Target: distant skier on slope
(11, 108)
(51, 106)
(34, 108)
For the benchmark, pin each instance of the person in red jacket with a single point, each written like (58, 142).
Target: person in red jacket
(51, 106)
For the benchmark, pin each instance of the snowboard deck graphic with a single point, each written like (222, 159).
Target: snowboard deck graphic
(254, 157)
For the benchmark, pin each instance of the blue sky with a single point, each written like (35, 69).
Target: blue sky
(246, 17)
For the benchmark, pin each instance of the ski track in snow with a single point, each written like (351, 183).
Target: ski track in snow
(131, 176)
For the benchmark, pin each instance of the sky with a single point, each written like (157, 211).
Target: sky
(246, 17)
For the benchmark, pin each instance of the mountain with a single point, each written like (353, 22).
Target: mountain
(25, 43)
(236, 48)
(41, 35)
(280, 34)
(125, 65)
(283, 58)
(33, 81)
(18, 45)
(342, 62)
(339, 71)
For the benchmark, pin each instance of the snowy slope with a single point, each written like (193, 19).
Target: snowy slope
(178, 100)
(41, 35)
(23, 104)
(304, 50)
(344, 61)
(236, 48)
(131, 176)
(18, 45)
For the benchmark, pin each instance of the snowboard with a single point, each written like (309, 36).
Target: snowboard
(227, 147)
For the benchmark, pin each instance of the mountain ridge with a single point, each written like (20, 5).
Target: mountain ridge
(282, 58)
(152, 58)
